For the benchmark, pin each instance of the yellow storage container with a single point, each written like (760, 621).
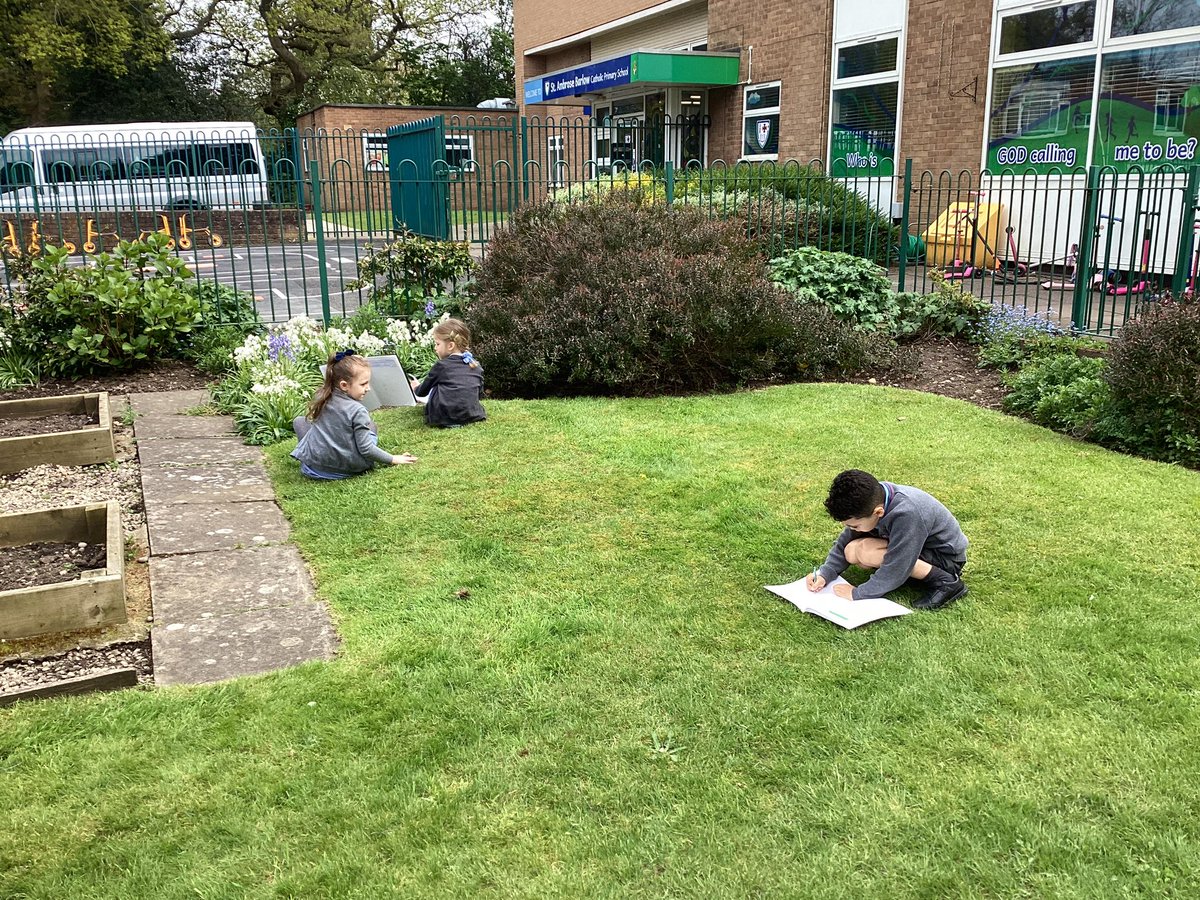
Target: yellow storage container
(968, 231)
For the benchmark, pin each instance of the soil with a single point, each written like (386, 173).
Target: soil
(949, 367)
(165, 375)
(24, 426)
(48, 562)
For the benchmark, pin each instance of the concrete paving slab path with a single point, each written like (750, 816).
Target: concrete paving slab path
(213, 483)
(231, 596)
(196, 451)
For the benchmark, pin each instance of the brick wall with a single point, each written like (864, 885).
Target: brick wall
(946, 61)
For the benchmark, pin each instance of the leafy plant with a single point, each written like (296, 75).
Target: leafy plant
(1063, 391)
(1154, 371)
(852, 288)
(404, 276)
(128, 306)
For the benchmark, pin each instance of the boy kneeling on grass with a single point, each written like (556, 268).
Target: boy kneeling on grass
(901, 532)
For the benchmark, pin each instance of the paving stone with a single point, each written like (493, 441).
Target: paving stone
(160, 426)
(196, 451)
(166, 402)
(195, 586)
(197, 527)
(206, 484)
(248, 643)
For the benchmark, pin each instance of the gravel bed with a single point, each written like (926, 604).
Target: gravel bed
(26, 673)
(120, 480)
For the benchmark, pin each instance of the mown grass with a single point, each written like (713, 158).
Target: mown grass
(617, 708)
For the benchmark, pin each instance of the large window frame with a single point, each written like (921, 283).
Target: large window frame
(883, 166)
(1100, 45)
(761, 112)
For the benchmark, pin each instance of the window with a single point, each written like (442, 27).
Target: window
(556, 161)
(760, 121)
(71, 164)
(1132, 17)
(871, 58)
(16, 169)
(1042, 29)
(1143, 108)
(1168, 111)
(1041, 114)
(460, 152)
(375, 152)
(1049, 109)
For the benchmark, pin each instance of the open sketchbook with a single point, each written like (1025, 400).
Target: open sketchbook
(389, 384)
(828, 605)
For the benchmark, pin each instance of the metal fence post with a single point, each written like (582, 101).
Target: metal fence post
(1083, 262)
(903, 241)
(318, 227)
(1187, 232)
(670, 179)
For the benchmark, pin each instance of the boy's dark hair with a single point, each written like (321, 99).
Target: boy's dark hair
(854, 494)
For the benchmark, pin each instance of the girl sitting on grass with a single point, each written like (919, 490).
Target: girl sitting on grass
(454, 386)
(341, 440)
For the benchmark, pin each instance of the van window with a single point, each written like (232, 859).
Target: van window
(195, 159)
(66, 164)
(16, 169)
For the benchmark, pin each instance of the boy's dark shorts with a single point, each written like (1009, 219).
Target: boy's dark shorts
(952, 564)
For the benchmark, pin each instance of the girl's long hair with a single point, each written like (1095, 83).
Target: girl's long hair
(457, 333)
(340, 367)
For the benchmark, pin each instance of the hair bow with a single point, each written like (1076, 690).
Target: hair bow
(468, 358)
(342, 354)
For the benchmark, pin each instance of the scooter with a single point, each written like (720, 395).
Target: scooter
(1069, 284)
(1142, 285)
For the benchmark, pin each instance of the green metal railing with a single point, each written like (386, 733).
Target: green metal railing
(1087, 248)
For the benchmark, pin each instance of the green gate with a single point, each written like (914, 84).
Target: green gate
(418, 174)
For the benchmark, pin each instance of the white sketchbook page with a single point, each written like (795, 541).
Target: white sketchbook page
(828, 605)
(389, 384)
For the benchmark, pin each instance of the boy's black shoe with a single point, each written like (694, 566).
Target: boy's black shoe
(941, 595)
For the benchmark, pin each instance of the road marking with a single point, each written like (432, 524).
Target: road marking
(310, 256)
(350, 262)
(278, 293)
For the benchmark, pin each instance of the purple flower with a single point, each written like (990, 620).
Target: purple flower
(430, 309)
(277, 344)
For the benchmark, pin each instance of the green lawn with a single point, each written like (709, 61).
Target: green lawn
(1040, 738)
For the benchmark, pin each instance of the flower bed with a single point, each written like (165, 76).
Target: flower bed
(278, 372)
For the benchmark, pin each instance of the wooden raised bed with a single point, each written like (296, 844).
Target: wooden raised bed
(94, 599)
(83, 447)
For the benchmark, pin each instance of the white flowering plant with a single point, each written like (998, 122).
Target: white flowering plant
(276, 373)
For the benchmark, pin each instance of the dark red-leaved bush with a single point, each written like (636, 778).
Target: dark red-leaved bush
(619, 297)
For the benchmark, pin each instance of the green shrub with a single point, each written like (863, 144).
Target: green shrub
(838, 218)
(1154, 371)
(128, 306)
(1063, 391)
(228, 315)
(620, 297)
(403, 277)
(854, 289)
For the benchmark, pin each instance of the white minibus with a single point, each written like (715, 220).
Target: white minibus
(139, 165)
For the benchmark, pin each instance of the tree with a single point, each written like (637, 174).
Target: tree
(465, 65)
(300, 53)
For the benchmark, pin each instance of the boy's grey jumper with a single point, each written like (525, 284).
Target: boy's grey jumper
(916, 526)
(454, 388)
(341, 441)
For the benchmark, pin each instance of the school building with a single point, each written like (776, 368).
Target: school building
(1040, 87)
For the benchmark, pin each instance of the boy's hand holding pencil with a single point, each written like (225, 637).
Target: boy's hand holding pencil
(814, 582)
